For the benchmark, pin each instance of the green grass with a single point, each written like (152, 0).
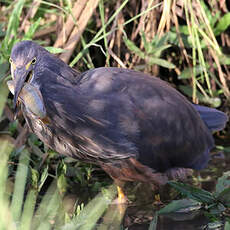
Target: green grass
(189, 50)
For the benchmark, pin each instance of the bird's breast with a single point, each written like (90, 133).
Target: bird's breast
(47, 135)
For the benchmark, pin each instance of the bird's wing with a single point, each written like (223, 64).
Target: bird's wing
(115, 113)
(94, 133)
(213, 118)
(164, 126)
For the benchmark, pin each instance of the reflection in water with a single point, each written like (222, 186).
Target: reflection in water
(140, 217)
(112, 219)
(197, 222)
(104, 214)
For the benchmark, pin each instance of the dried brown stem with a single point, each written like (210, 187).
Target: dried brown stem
(22, 137)
(116, 58)
(78, 30)
(10, 115)
(32, 11)
(71, 21)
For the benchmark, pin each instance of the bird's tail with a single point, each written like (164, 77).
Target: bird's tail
(213, 118)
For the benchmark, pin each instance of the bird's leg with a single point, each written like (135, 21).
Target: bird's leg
(121, 196)
(121, 199)
(178, 173)
(116, 174)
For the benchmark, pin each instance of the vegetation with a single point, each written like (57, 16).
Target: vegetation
(183, 42)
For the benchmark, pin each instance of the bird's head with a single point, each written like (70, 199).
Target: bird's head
(24, 60)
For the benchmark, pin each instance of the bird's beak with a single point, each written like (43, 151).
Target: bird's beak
(19, 78)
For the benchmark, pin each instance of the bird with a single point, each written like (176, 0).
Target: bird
(135, 126)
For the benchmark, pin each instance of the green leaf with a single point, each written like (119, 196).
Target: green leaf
(19, 186)
(224, 197)
(12, 26)
(197, 194)
(13, 127)
(213, 101)
(30, 33)
(156, 46)
(188, 72)
(184, 30)
(61, 168)
(211, 18)
(223, 24)
(217, 209)
(2, 32)
(214, 225)
(223, 148)
(158, 50)
(153, 224)
(62, 184)
(54, 50)
(160, 62)
(4, 91)
(69, 4)
(34, 177)
(183, 205)
(224, 59)
(149, 59)
(28, 210)
(132, 47)
(4, 67)
(147, 45)
(43, 178)
(161, 42)
(223, 182)
(227, 225)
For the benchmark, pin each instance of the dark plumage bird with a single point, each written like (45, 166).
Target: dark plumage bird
(131, 124)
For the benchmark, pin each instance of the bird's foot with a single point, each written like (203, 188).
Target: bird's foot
(158, 179)
(179, 173)
(121, 196)
(121, 199)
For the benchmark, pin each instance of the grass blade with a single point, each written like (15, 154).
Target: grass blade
(28, 210)
(19, 187)
(194, 193)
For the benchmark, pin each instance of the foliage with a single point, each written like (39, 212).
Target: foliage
(153, 50)
(215, 204)
(19, 212)
(183, 41)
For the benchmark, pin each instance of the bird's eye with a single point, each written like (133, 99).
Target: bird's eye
(10, 60)
(33, 61)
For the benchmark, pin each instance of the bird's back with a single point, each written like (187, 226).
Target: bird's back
(113, 114)
(164, 126)
(126, 121)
